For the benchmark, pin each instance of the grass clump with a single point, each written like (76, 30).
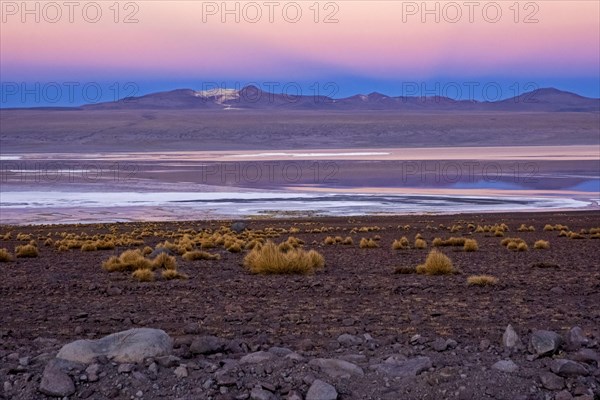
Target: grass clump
(234, 248)
(437, 263)
(270, 259)
(169, 274)
(129, 260)
(541, 245)
(525, 228)
(143, 275)
(470, 245)
(400, 244)
(420, 244)
(200, 255)
(89, 246)
(348, 241)
(329, 240)
(367, 243)
(482, 280)
(164, 261)
(522, 247)
(26, 251)
(548, 228)
(5, 256)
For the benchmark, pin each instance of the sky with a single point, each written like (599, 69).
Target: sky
(55, 54)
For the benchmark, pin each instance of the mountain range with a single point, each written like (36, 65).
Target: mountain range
(253, 98)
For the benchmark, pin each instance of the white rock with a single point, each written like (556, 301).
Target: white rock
(131, 346)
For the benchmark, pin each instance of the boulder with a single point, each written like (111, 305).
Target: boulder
(544, 343)
(239, 226)
(568, 368)
(510, 338)
(55, 382)
(131, 346)
(507, 366)
(337, 368)
(208, 345)
(407, 368)
(320, 390)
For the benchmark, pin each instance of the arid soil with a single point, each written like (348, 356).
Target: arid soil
(47, 131)
(356, 309)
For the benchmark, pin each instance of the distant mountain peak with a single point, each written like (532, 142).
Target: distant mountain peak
(252, 97)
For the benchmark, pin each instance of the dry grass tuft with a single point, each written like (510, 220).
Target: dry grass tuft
(26, 251)
(470, 245)
(548, 227)
(130, 260)
(482, 280)
(329, 240)
(525, 228)
(164, 261)
(89, 246)
(437, 263)
(170, 274)
(541, 245)
(234, 248)
(200, 255)
(348, 241)
(367, 243)
(522, 247)
(420, 244)
(401, 244)
(143, 275)
(270, 259)
(5, 256)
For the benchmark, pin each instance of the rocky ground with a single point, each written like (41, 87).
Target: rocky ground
(355, 330)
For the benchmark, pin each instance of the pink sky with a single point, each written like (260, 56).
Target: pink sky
(370, 39)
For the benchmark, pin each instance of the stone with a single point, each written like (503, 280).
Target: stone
(239, 226)
(207, 345)
(320, 390)
(258, 393)
(348, 340)
(293, 395)
(439, 345)
(576, 339)
(92, 372)
(544, 343)
(563, 395)
(484, 344)
(125, 368)
(551, 381)
(337, 368)
(257, 357)
(587, 356)
(181, 372)
(568, 368)
(280, 351)
(159, 251)
(55, 382)
(167, 361)
(295, 357)
(507, 366)
(510, 338)
(191, 329)
(131, 346)
(24, 361)
(404, 368)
